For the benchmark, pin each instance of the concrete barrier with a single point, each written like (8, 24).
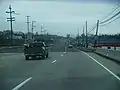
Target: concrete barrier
(110, 54)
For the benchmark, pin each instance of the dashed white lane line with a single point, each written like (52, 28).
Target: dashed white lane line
(21, 84)
(10, 47)
(118, 78)
(61, 54)
(64, 52)
(54, 61)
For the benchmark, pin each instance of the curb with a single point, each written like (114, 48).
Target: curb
(115, 60)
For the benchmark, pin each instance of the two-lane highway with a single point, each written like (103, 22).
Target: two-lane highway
(74, 70)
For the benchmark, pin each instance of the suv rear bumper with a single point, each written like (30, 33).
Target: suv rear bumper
(40, 54)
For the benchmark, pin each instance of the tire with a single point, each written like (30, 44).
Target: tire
(47, 55)
(43, 57)
(27, 57)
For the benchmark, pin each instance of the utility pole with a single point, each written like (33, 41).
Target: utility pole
(97, 27)
(33, 28)
(78, 37)
(96, 35)
(83, 29)
(42, 29)
(28, 22)
(83, 37)
(78, 31)
(86, 36)
(11, 19)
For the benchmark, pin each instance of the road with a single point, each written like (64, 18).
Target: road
(70, 70)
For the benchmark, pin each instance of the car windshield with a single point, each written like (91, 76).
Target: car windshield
(59, 44)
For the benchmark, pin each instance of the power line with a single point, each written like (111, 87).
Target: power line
(110, 18)
(111, 21)
(111, 11)
(92, 28)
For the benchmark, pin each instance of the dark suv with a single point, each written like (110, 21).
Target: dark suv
(36, 49)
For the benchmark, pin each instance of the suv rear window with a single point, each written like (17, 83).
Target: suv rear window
(37, 45)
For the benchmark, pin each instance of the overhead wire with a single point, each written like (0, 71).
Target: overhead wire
(110, 14)
(111, 21)
(92, 29)
(109, 18)
(114, 9)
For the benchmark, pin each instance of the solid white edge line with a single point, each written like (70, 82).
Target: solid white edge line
(118, 78)
(21, 84)
(54, 61)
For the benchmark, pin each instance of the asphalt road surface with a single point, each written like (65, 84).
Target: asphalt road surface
(65, 69)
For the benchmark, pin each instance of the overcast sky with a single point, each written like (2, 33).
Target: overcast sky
(59, 16)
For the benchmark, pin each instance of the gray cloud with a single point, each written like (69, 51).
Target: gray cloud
(64, 17)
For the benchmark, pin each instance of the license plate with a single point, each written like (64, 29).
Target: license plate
(38, 56)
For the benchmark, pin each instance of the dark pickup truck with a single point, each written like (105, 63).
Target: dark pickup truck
(36, 50)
